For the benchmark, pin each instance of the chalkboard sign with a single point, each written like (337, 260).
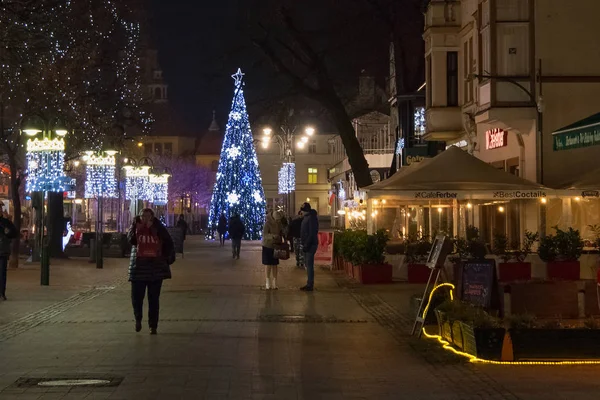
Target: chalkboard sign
(479, 283)
(177, 236)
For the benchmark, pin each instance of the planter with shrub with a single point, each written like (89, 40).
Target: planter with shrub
(416, 256)
(561, 253)
(513, 266)
(368, 258)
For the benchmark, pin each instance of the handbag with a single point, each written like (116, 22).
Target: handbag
(282, 251)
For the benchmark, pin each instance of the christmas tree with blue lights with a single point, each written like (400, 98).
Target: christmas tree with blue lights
(238, 189)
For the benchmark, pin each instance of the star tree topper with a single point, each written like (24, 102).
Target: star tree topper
(238, 77)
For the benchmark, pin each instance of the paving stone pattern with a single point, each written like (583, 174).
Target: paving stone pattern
(222, 336)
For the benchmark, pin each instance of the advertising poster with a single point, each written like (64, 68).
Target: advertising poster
(324, 255)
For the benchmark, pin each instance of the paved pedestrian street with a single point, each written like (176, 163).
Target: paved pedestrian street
(221, 336)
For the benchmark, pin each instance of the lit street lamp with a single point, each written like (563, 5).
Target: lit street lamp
(137, 185)
(45, 173)
(287, 173)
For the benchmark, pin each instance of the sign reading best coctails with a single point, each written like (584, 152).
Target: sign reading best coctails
(496, 138)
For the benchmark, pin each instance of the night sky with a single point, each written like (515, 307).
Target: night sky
(192, 38)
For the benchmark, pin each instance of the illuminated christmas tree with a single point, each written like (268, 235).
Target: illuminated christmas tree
(238, 189)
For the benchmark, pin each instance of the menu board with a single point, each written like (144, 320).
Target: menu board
(478, 282)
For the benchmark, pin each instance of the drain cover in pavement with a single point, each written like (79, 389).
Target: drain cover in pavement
(101, 381)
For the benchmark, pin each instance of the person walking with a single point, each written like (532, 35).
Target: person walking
(271, 237)
(222, 228)
(309, 234)
(8, 232)
(295, 230)
(236, 233)
(151, 256)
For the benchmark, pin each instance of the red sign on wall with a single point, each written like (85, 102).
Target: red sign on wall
(495, 138)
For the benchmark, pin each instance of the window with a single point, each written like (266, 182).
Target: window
(168, 149)
(158, 149)
(157, 93)
(148, 149)
(313, 175)
(330, 148)
(468, 70)
(452, 78)
(312, 146)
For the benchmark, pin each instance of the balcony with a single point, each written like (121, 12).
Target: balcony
(443, 123)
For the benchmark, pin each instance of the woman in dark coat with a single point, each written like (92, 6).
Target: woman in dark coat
(222, 228)
(151, 256)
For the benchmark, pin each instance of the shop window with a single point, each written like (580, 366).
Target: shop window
(313, 175)
(158, 149)
(168, 149)
(148, 149)
(452, 78)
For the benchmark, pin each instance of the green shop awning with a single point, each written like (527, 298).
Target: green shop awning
(583, 133)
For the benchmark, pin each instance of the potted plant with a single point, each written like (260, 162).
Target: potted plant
(552, 339)
(417, 251)
(513, 266)
(369, 258)
(561, 253)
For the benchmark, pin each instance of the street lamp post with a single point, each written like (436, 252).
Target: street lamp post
(159, 180)
(45, 173)
(285, 140)
(137, 186)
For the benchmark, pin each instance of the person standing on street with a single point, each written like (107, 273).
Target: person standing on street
(236, 233)
(151, 256)
(271, 237)
(309, 233)
(221, 229)
(295, 230)
(181, 224)
(7, 233)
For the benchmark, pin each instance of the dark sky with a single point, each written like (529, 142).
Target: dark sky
(191, 37)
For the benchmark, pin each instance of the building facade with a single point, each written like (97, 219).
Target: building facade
(501, 77)
(311, 165)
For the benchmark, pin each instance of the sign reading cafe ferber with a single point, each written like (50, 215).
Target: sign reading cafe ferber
(474, 194)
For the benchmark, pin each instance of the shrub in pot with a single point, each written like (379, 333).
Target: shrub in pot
(369, 258)
(513, 266)
(561, 253)
(417, 251)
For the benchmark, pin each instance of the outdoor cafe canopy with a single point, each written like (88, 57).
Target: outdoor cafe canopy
(455, 174)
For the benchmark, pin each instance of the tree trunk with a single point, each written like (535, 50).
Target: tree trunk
(15, 183)
(356, 157)
(56, 224)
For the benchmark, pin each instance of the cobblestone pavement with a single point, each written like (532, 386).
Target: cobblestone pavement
(223, 337)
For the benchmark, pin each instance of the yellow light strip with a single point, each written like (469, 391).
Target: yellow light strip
(474, 359)
(45, 144)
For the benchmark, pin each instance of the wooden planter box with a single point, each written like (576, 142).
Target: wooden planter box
(373, 273)
(515, 271)
(566, 344)
(418, 273)
(457, 334)
(444, 326)
(563, 270)
(485, 343)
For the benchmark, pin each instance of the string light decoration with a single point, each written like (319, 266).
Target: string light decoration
(238, 188)
(45, 166)
(160, 188)
(287, 178)
(447, 346)
(100, 178)
(137, 183)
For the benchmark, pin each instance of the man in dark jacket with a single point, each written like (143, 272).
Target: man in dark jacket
(309, 235)
(7, 233)
(294, 232)
(236, 233)
(151, 256)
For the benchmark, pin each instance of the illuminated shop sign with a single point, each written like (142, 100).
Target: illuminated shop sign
(496, 138)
